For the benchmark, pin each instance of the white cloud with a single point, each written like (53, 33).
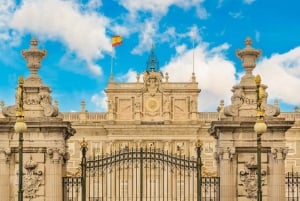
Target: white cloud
(236, 15)
(281, 73)
(100, 100)
(169, 34)
(94, 4)
(149, 36)
(146, 37)
(121, 30)
(157, 9)
(215, 74)
(82, 33)
(180, 49)
(248, 1)
(130, 76)
(201, 12)
(7, 8)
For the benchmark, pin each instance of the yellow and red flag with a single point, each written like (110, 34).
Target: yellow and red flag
(116, 40)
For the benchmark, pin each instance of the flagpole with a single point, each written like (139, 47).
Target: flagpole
(111, 65)
(193, 73)
(193, 52)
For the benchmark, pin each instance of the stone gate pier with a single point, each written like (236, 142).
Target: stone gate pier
(236, 140)
(45, 150)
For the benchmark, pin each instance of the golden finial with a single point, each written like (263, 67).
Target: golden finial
(257, 80)
(198, 143)
(83, 144)
(21, 80)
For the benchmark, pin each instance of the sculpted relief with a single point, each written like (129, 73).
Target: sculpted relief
(40, 96)
(152, 82)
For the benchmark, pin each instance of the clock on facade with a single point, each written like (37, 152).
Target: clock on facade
(152, 104)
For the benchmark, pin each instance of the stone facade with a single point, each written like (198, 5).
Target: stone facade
(150, 112)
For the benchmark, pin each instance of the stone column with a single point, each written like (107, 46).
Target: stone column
(4, 174)
(228, 171)
(277, 174)
(54, 174)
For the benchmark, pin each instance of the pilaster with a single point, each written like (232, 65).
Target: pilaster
(277, 170)
(227, 169)
(54, 175)
(4, 173)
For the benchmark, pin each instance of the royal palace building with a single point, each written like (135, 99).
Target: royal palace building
(152, 143)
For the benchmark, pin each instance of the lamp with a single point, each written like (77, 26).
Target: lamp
(20, 127)
(260, 127)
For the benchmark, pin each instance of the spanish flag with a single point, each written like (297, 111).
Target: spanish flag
(116, 40)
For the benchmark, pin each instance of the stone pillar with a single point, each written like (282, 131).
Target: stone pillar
(4, 174)
(277, 174)
(54, 174)
(228, 171)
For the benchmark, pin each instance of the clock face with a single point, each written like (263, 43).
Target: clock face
(152, 104)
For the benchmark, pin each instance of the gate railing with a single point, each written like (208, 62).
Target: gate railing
(292, 184)
(72, 188)
(141, 174)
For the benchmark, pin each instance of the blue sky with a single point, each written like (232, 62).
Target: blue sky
(77, 37)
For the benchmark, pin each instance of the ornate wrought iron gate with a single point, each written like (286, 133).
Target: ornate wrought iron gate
(141, 174)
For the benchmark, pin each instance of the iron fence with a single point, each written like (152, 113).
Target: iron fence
(71, 188)
(292, 183)
(142, 174)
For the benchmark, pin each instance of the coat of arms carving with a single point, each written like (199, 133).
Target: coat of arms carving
(32, 179)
